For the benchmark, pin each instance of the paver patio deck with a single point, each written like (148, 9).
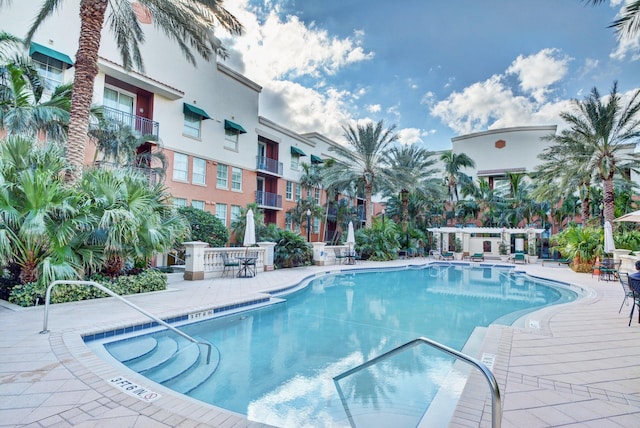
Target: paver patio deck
(571, 365)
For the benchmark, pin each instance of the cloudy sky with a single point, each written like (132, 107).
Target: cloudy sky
(436, 69)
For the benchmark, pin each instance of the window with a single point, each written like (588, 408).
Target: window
(49, 69)
(236, 179)
(221, 213)
(316, 196)
(231, 139)
(298, 192)
(289, 191)
(119, 106)
(316, 225)
(198, 204)
(192, 123)
(180, 168)
(199, 173)
(295, 160)
(288, 221)
(179, 202)
(236, 210)
(222, 180)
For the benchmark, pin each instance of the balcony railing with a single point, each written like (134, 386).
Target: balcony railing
(269, 165)
(268, 200)
(139, 125)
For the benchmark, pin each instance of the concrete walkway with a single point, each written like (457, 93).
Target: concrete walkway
(571, 365)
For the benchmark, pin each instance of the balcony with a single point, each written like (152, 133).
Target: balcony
(268, 200)
(139, 125)
(269, 165)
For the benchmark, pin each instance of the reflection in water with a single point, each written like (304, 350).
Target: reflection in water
(277, 363)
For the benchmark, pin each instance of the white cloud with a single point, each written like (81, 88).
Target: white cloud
(492, 104)
(309, 53)
(408, 136)
(539, 71)
(373, 108)
(627, 45)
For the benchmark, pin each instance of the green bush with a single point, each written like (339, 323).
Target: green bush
(205, 227)
(380, 242)
(291, 250)
(32, 293)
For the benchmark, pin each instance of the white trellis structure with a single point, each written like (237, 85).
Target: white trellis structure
(484, 239)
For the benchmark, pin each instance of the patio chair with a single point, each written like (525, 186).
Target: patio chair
(228, 264)
(635, 287)
(628, 291)
(609, 269)
(519, 258)
(477, 257)
(340, 256)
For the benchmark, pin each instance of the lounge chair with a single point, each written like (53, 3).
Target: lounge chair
(229, 265)
(519, 258)
(447, 256)
(477, 257)
(435, 254)
(566, 261)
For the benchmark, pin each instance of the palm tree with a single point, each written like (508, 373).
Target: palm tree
(363, 161)
(629, 24)
(8, 43)
(453, 165)
(39, 215)
(133, 219)
(603, 131)
(189, 23)
(23, 109)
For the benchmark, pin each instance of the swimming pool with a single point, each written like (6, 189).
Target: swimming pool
(276, 364)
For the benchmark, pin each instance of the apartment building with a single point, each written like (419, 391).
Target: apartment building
(222, 154)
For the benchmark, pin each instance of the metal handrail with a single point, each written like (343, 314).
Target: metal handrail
(122, 299)
(496, 405)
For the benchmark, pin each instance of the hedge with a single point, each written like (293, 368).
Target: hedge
(32, 294)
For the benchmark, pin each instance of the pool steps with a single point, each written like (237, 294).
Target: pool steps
(176, 364)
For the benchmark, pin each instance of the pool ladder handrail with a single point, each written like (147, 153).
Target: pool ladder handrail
(122, 299)
(496, 404)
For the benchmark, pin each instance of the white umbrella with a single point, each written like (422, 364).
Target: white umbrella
(633, 217)
(249, 231)
(609, 245)
(351, 238)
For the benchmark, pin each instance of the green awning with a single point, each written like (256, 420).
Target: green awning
(234, 126)
(188, 108)
(316, 159)
(50, 53)
(297, 151)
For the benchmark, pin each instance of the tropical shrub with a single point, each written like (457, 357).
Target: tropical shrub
(380, 242)
(582, 244)
(32, 293)
(205, 227)
(629, 240)
(291, 250)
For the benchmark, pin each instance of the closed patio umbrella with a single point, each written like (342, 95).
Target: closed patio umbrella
(609, 245)
(351, 238)
(249, 231)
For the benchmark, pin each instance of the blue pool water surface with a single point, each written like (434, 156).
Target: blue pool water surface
(276, 364)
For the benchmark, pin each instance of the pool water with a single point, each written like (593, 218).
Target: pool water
(276, 364)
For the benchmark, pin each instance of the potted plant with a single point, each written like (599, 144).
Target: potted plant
(502, 250)
(457, 249)
(532, 252)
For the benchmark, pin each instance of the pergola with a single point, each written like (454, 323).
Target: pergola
(476, 239)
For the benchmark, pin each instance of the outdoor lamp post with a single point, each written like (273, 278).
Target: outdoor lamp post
(308, 225)
(383, 217)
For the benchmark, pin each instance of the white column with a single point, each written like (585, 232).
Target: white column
(194, 260)
(268, 254)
